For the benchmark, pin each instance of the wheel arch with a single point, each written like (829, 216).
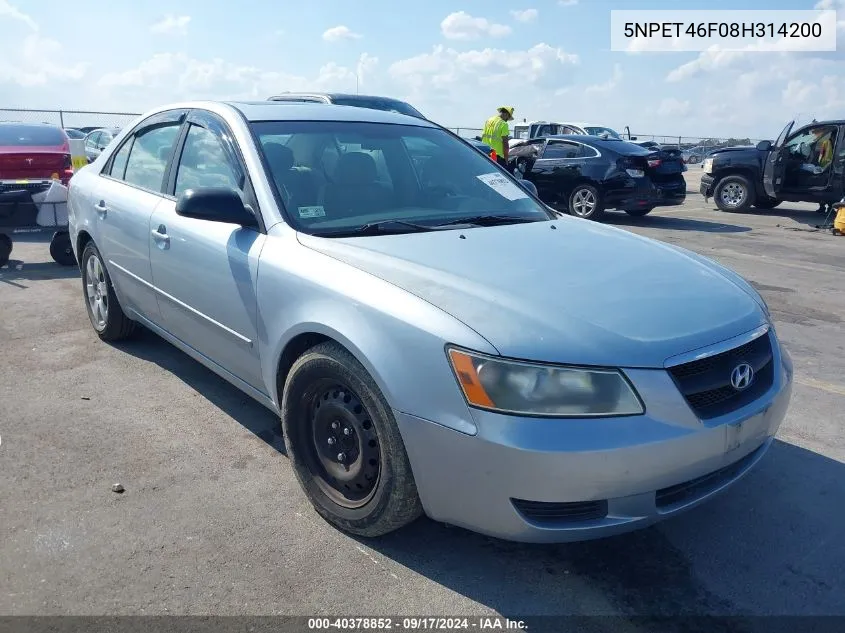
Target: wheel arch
(82, 239)
(745, 172)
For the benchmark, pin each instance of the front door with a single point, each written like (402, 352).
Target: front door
(205, 272)
(775, 167)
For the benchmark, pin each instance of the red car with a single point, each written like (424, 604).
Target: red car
(34, 152)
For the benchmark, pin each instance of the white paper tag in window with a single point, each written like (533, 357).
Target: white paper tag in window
(312, 212)
(503, 186)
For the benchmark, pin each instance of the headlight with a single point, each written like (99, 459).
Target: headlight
(526, 388)
(708, 165)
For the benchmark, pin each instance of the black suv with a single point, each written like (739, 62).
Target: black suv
(788, 170)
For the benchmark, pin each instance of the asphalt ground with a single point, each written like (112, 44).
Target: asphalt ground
(212, 520)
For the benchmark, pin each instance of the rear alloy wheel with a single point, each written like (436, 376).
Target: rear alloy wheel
(104, 311)
(5, 249)
(585, 202)
(344, 444)
(733, 194)
(61, 250)
(638, 213)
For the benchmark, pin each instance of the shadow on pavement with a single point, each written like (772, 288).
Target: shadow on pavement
(246, 411)
(16, 270)
(673, 223)
(768, 545)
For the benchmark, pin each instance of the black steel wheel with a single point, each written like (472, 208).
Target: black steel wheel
(344, 444)
(5, 249)
(61, 250)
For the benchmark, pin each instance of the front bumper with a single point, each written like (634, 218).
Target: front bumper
(706, 188)
(546, 480)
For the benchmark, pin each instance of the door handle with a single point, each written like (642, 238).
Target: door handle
(160, 236)
(101, 208)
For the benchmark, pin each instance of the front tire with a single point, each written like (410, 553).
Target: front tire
(344, 444)
(734, 194)
(104, 311)
(585, 202)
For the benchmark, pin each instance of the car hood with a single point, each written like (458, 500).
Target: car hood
(747, 149)
(580, 293)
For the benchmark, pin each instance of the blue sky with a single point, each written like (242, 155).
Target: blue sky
(455, 61)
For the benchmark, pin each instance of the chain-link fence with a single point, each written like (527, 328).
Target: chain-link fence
(695, 146)
(77, 119)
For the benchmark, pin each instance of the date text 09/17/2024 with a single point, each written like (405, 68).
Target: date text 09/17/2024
(493, 623)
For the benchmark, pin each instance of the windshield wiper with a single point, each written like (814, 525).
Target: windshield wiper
(382, 227)
(489, 220)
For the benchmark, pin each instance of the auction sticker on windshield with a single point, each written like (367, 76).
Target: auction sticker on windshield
(312, 212)
(503, 186)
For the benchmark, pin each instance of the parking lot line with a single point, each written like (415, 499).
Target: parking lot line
(821, 384)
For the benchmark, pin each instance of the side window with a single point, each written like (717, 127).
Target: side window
(205, 163)
(118, 165)
(562, 149)
(105, 139)
(92, 140)
(149, 155)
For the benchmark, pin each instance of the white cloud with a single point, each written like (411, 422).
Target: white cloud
(172, 25)
(567, 3)
(339, 33)
(525, 15)
(462, 26)
(168, 77)
(673, 107)
(609, 85)
(9, 11)
(37, 61)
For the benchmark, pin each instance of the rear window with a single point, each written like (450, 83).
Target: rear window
(386, 105)
(31, 136)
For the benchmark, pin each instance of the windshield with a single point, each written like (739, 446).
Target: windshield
(387, 105)
(31, 136)
(338, 176)
(598, 131)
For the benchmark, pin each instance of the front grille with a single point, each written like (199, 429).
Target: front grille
(700, 486)
(568, 512)
(706, 383)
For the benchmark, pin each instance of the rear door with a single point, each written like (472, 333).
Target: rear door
(775, 167)
(130, 188)
(557, 169)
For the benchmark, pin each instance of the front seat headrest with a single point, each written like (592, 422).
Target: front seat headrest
(355, 168)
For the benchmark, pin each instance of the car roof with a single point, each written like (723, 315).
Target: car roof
(279, 111)
(29, 124)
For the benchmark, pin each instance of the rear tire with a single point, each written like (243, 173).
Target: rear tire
(585, 202)
(5, 249)
(61, 250)
(638, 213)
(104, 311)
(734, 194)
(344, 444)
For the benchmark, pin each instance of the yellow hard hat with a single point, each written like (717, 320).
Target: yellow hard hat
(508, 109)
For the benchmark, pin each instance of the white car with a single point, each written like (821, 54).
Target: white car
(533, 129)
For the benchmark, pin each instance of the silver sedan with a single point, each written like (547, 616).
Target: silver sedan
(434, 339)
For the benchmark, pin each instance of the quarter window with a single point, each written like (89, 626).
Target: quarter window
(149, 155)
(562, 150)
(118, 166)
(205, 163)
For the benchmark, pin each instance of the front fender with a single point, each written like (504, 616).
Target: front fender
(398, 338)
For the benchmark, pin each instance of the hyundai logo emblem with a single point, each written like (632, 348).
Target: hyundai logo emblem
(741, 376)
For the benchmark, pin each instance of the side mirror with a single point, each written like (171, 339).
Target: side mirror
(215, 204)
(633, 138)
(528, 186)
(764, 146)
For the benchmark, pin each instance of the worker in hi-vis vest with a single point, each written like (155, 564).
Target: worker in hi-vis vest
(497, 134)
